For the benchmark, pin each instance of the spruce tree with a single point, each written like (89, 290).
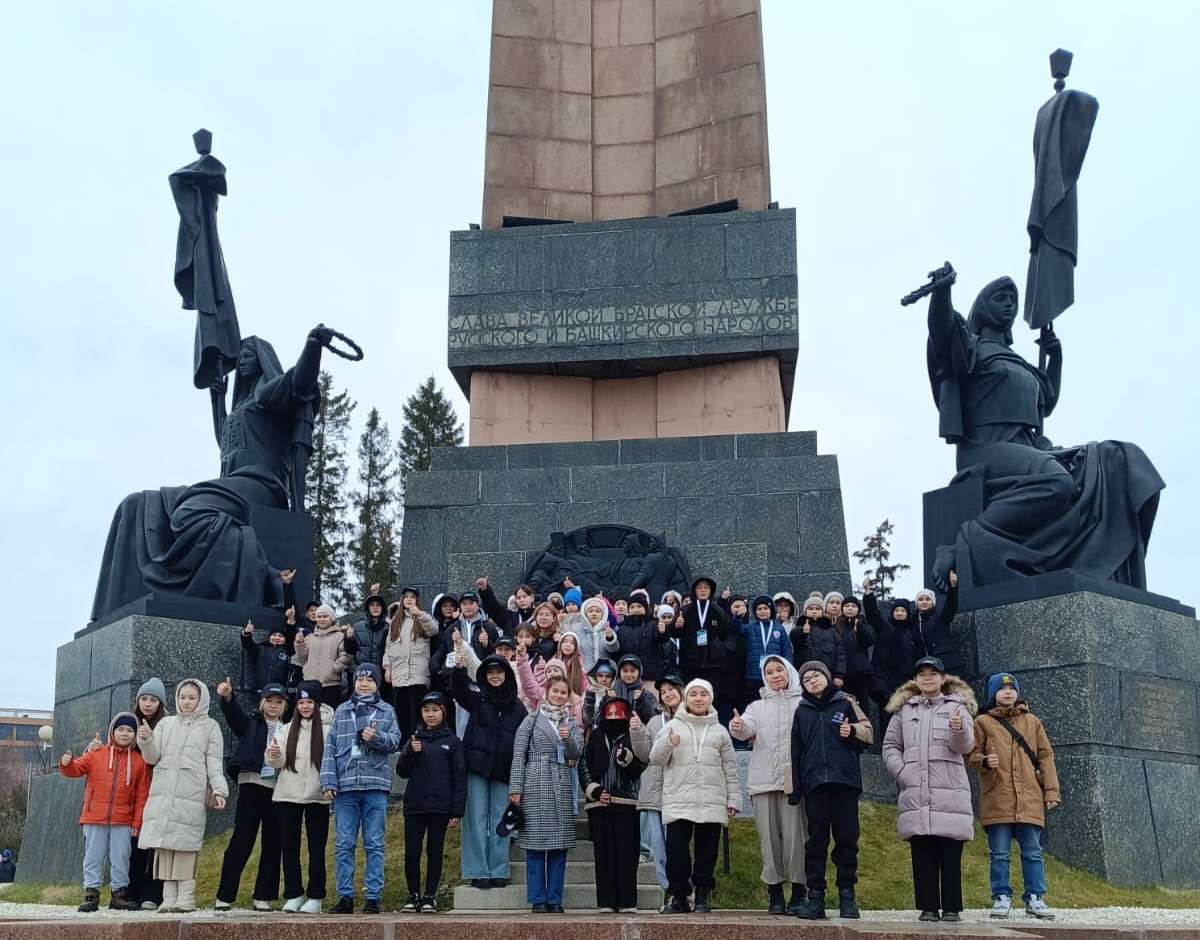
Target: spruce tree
(877, 552)
(429, 422)
(373, 550)
(326, 497)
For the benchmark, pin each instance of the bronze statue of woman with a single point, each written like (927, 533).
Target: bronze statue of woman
(198, 541)
(1088, 508)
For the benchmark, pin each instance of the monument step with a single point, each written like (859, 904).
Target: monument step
(576, 897)
(583, 873)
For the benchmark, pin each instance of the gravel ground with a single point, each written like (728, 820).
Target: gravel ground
(1125, 916)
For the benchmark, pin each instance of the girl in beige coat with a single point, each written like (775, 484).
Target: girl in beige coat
(186, 750)
(700, 794)
(406, 659)
(296, 752)
(326, 654)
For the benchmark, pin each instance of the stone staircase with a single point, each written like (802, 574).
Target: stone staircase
(579, 891)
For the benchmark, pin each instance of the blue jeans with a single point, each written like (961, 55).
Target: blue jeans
(545, 873)
(365, 810)
(484, 854)
(654, 836)
(1033, 868)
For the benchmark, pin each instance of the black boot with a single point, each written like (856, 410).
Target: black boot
(120, 901)
(679, 905)
(799, 896)
(847, 907)
(814, 907)
(344, 905)
(91, 901)
(775, 903)
(702, 901)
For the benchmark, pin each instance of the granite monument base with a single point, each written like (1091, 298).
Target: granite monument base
(758, 512)
(1117, 684)
(97, 675)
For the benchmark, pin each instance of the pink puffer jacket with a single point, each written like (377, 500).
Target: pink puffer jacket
(926, 759)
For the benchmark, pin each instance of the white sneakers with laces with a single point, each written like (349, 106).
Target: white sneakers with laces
(1036, 907)
(1001, 907)
(293, 905)
(311, 906)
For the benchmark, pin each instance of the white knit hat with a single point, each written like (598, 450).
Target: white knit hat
(698, 684)
(664, 610)
(832, 594)
(925, 592)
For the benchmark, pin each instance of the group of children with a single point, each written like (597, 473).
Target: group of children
(512, 719)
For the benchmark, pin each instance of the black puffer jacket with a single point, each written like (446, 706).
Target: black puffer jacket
(437, 774)
(900, 643)
(709, 660)
(266, 663)
(639, 636)
(820, 755)
(250, 755)
(823, 642)
(858, 637)
(609, 765)
(496, 714)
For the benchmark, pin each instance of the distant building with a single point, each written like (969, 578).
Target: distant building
(19, 733)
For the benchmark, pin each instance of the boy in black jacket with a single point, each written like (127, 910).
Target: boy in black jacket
(829, 731)
(256, 785)
(609, 776)
(435, 766)
(815, 637)
(271, 660)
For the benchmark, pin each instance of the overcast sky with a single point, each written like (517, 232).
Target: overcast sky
(354, 138)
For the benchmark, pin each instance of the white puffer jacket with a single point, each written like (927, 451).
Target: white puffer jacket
(187, 753)
(406, 660)
(700, 776)
(650, 786)
(768, 723)
(302, 785)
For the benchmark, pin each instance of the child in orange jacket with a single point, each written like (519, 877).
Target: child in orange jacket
(117, 786)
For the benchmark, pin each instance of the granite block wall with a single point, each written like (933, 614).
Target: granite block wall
(1117, 686)
(757, 511)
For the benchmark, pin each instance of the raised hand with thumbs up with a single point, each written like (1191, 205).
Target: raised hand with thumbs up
(65, 760)
(956, 721)
(992, 759)
(674, 738)
(95, 744)
(369, 733)
(562, 729)
(736, 724)
(273, 751)
(415, 745)
(225, 689)
(144, 731)
(845, 730)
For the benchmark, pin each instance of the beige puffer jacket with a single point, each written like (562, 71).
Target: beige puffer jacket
(650, 786)
(323, 655)
(303, 785)
(768, 723)
(405, 660)
(186, 753)
(700, 776)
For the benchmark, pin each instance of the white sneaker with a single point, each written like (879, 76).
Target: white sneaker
(1001, 907)
(261, 907)
(222, 906)
(293, 905)
(149, 906)
(1036, 907)
(311, 906)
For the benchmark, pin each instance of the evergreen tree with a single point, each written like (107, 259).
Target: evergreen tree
(429, 422)
(877, 552)
(373, 550)
(326, 499)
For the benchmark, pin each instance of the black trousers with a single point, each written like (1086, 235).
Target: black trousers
(254, 811)
(831, 808)
(937, 864)
(860, 687)
(142, 887)
(315, 818)
(429, 828)
(616, 845)
(331, 695)
(406, 699)
(683, 871)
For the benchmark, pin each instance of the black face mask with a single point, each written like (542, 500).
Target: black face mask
(615, 727)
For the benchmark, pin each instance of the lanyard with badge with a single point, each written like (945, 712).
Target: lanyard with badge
(356, 750)
(764, 630)
(702, 614)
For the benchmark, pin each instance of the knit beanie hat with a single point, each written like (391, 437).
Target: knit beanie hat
(834, 594)
(371, 671)
(327, 611)
(573, 596)
(851, 599)
(698, 684)
(641, 596)
(814, 600)
(1000, 681)
(815, 665)
(597, 603)
(124, 720)
(925, 592)
(664, 610)
(154, 686)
